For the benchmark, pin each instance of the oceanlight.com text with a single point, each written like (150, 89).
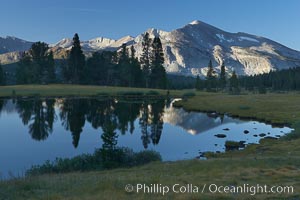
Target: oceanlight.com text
(208, 188)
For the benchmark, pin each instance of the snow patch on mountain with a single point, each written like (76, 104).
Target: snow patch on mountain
(222, 38)
(247, 38)
(195, 22)
(96, 44)
(188, 50)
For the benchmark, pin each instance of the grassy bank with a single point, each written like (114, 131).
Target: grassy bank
(72, 90)
(273, 162)
(274, 108)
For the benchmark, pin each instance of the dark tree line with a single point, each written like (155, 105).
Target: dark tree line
(282, 80)
(114, 68)
(120, 68)
(2, 76)
(37, 65)
(214, 83)
(180, 82)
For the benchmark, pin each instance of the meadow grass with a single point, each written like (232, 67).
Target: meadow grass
(271, 107)
(272, 162)
(57, 90)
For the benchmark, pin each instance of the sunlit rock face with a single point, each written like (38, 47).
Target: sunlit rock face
(187, 50)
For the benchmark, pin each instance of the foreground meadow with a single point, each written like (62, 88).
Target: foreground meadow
(273, 162)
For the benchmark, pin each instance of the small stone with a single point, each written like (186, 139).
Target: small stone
(220, 135)
(262, 135)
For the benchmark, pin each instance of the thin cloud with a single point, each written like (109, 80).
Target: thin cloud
(83, 10)
(88, 10)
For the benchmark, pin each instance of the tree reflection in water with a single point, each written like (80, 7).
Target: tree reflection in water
(39, 115)
(111, 115)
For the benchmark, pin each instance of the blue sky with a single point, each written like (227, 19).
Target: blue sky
(52, 20)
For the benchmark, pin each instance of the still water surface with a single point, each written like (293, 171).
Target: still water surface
(35, 130)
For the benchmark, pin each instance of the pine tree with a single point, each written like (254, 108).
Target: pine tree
(38, 54)
(2, 76)
(222, 79)
(234, 84)
(261, 86)
(135, 69)
(50, 68)
(132, 55)
(23, 73)
(210, 78)
(123, 67)
(123, 54)
(158, 72)
(76, 62)
(210, 71)
(198, 83)
(145, 58)
(96, 70)
(37, 65)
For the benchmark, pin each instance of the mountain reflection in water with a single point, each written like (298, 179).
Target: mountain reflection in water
(34, 130)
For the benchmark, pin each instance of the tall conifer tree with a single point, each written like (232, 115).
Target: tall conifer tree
(76, 62)
(222, 80)
(158, 72)
(37, 65)
(2, 76)
(135, 69)
(234, 84)
(210, 77)
(145, 58)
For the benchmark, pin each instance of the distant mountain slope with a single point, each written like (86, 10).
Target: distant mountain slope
(11, 48)
(11, 44)
(189, 49)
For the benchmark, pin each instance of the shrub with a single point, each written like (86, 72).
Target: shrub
(119, 157)
(145, 157)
